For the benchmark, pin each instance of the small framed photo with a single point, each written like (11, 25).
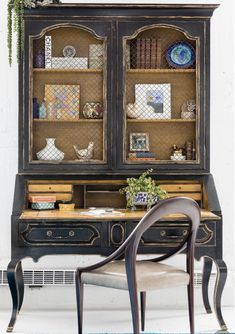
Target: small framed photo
(139, 142)
(153, 101)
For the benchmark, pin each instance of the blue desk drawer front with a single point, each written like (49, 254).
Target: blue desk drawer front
(82, 234)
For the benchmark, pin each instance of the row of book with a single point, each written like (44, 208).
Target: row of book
(145, 53)
(142, 156)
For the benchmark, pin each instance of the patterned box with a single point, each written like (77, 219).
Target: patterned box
(64, 100)
(70, 62)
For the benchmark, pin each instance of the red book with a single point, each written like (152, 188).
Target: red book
(142, 53)
(138, 47)
(159, 53)
(153, 54)
(148, 53)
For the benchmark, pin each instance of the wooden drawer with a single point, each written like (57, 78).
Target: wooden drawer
(41, 188)
(167, 234)
(81, 234)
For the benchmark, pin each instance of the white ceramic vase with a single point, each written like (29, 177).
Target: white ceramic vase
(50, 151)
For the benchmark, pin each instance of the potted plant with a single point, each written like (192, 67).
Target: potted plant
(142, 191)
(15, 12)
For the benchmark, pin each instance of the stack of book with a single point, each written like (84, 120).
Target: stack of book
(146, 53)
(142, 156)
(41, 202)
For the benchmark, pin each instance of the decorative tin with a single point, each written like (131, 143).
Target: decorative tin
(42, 206)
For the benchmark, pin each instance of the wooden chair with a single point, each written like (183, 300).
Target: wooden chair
(140, 276)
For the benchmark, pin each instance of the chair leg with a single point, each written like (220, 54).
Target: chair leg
(143, 307)
(79, 293)
(190, 289)
(134, 309)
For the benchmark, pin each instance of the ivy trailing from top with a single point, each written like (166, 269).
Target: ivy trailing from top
(15, 22)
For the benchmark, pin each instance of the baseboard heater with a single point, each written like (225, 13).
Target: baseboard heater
(46, 277)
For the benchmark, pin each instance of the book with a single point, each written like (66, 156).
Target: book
(42, 199)
(142, 53)
(142, 155)
(138, 62)
(148, 53)
(142, 159)
(159, 53)
(153, 55)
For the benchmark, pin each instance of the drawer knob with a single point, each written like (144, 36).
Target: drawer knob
(49, 233)
(71, 233)
(162, 233)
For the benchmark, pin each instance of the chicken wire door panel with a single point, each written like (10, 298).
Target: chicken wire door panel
(161, 102)
(68, 105)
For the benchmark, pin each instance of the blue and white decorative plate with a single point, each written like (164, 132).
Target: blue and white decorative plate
(180, 55)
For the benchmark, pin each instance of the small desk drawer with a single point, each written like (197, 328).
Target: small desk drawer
(170, 234)
(82, 234)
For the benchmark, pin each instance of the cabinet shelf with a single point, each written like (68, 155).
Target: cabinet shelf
(175, 120)
(82, 120)
(67, 70)
(161, 70)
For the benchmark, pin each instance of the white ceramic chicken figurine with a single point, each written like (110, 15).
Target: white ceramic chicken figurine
(86, 153)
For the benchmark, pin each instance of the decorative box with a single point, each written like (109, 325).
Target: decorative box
(42, 206)
(66, 207)
(69, 62)
(41, 198)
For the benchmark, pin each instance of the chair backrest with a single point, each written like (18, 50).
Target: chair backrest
(181, 205)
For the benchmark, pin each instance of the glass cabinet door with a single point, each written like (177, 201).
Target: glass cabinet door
(68, 105)
(161, 102)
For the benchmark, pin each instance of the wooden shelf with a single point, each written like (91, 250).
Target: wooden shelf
(60, 70)
(81, 120)
(175, 120)
(162, 70)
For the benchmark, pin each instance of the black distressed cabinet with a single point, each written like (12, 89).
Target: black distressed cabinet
(106, 92)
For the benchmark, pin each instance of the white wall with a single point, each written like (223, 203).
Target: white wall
(222, 135)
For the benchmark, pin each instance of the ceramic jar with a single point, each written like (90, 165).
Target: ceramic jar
(93, 110)
(39, 60)
(50, 151)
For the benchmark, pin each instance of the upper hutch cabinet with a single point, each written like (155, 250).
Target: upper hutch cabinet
(68, 95)
(119, 92)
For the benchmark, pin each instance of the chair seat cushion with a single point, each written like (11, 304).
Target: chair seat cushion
(150, 276)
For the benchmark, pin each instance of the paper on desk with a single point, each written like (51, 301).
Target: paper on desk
(100, 212)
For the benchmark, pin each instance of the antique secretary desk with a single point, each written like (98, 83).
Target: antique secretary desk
(106, 92)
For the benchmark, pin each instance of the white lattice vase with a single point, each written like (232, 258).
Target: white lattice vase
(50, 151)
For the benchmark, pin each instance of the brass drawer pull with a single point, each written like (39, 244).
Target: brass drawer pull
(70, 234)
(164, 233)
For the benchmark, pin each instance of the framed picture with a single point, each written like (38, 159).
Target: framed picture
(139, 142)
(64, 100)
(153, 101)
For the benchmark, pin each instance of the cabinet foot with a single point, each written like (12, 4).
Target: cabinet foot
(219, 286)
(16, 285)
